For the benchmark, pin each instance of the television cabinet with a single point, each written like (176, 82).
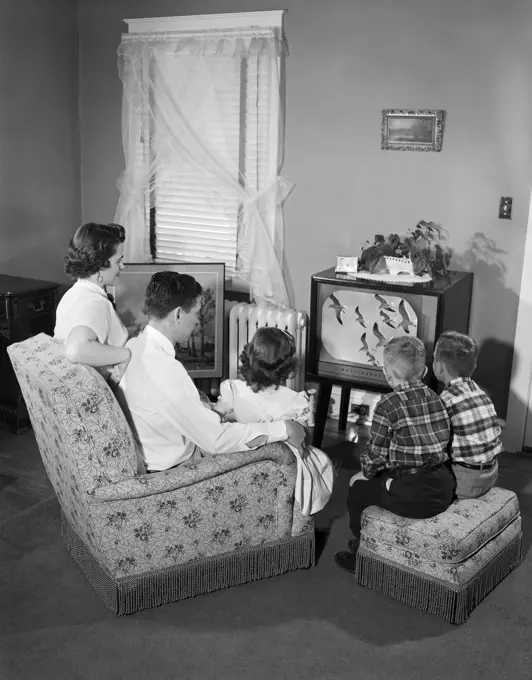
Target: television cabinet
(349, 312)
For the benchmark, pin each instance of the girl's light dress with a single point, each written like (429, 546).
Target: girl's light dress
(315, 472)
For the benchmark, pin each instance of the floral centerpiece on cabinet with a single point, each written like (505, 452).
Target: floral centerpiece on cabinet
(422, 254)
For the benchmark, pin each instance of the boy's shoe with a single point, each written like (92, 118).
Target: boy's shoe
(353, 544)
(346, 560)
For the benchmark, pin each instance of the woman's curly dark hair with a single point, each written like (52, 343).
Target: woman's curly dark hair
(91, 247)
(268, 359)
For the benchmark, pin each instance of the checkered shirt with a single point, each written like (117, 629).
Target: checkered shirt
(410, 428)
(475, 430)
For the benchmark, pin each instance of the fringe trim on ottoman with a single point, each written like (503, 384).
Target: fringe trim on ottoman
(433, 595)
(133, 593)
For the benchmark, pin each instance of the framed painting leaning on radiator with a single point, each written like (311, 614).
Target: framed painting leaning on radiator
(202, 354)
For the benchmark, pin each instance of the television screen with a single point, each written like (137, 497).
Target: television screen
(352, 326)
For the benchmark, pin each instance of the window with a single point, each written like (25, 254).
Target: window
(203, 99)
(193, 220)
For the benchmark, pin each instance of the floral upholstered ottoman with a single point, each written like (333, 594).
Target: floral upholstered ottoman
(447, 564)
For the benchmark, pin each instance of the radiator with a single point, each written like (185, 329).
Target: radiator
(245, 318)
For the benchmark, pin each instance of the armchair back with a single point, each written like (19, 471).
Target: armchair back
(82, 434)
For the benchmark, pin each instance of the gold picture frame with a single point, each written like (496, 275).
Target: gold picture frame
(412, 130)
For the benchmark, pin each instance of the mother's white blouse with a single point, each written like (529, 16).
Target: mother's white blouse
(86, 304)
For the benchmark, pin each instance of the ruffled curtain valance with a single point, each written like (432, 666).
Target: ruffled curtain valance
(215, 43)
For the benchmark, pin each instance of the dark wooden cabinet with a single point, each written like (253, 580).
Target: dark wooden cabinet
(27, 307)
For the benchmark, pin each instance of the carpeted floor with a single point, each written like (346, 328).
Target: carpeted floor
(310, 624)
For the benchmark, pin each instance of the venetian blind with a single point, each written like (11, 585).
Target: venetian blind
(227, 100)
(194, 221)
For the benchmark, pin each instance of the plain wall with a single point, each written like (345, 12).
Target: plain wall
(40, 163)
(349, 59)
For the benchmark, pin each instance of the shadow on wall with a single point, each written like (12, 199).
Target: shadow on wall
(491, 299)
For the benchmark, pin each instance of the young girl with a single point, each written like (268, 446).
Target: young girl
(260, 395)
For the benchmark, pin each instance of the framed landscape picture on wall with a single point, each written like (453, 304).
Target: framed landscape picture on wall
(412, 130)
(202, 354)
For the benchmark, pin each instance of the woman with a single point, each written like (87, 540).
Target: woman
(85, 318)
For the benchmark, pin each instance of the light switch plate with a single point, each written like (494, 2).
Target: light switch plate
(505, 208)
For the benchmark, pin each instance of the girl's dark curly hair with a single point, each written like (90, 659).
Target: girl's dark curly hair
(91, 247)
(268, 359)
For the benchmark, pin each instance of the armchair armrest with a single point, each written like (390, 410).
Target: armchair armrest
(188, 474)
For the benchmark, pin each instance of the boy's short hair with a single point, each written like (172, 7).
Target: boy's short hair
(406, 357)
(457, 352)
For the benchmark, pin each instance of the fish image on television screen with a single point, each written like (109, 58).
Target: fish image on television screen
(356, 325)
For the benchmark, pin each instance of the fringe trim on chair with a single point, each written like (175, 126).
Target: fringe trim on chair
(133, 593)
(433, 595)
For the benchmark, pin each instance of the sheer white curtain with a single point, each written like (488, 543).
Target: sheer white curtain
(174, 113)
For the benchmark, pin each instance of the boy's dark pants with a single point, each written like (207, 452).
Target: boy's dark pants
(423, 494)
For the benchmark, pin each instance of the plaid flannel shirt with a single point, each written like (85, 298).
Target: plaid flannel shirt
(410, 428)
(475, 430)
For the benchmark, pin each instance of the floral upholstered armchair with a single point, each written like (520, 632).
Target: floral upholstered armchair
(143, 540)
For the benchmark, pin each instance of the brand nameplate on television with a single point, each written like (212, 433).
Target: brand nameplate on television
(352, 372)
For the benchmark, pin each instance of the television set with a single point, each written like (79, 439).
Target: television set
(352, 319)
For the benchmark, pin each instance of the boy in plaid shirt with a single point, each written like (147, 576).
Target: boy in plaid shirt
(405, 465)
(475, 430)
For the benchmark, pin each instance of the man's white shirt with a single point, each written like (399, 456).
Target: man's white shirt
(167, 413)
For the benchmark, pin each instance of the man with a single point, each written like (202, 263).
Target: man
(171, 422)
